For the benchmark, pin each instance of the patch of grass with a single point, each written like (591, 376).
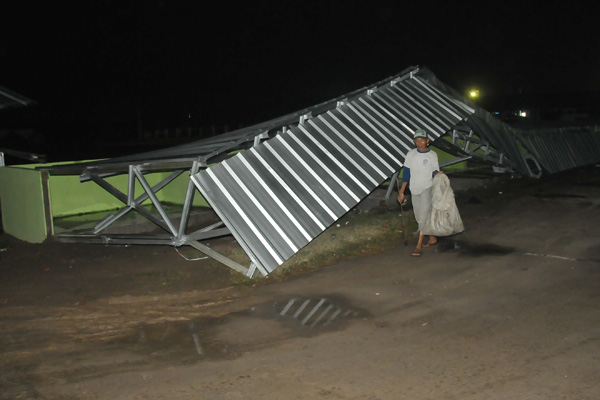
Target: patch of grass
(357, 233)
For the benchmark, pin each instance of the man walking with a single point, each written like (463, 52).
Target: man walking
(420, 166)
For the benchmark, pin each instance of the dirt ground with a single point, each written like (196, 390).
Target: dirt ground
(509, 309)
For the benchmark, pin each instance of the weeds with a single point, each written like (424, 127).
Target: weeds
(358, 233)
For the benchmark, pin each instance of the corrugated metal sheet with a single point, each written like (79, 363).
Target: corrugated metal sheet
(502, 137)
(526, 150)
(278, 196)
(10, 99)
(561, 149)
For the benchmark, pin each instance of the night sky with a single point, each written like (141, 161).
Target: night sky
(98, 66)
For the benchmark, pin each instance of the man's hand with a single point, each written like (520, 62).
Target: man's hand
(400, 198)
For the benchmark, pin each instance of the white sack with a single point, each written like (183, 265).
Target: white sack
(444, 218)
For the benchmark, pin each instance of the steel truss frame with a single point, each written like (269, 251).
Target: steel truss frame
(176, 235)
(478, 147)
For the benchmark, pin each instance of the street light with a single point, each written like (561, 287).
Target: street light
(474, 93)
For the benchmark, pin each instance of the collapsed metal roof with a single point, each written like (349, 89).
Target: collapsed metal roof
(10, 99)
(281, 194)
(298, 174)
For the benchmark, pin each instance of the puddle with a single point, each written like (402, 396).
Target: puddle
(187, 341)
(202, 338)
(474, 249)
(316, 313)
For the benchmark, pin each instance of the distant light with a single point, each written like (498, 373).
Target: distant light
(474, 93)
(522, 113)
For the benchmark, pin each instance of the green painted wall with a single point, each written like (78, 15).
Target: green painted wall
(69, 196)
(21, 196)
(22, 203)
(174, 193)
(443, 156)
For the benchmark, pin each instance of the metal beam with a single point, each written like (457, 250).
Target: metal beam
(155, 200)
(128, 199)
(219, 257)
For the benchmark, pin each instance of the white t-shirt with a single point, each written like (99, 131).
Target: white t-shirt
(421, 167)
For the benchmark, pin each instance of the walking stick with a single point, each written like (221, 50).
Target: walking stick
(402, 211)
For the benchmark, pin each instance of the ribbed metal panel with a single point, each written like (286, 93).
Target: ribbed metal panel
(9, 99)
(278, 196)
(562, 149)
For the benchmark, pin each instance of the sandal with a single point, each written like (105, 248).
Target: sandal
(429, 244)
(416, 253)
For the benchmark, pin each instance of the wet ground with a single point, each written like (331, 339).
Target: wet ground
(508, 309)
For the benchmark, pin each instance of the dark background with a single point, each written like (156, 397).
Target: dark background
(101, 72)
